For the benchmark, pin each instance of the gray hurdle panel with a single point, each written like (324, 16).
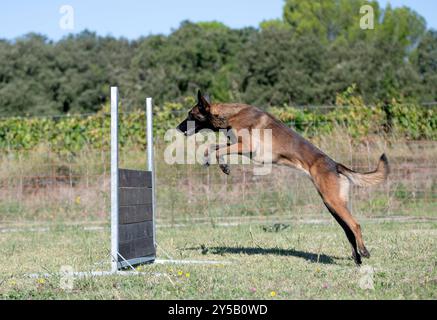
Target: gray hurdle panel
(135, 217)
(133, 239)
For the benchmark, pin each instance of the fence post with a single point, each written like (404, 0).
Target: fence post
(114, 179)
(150, 158)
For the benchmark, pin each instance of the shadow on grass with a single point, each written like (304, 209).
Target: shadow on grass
(309, 256)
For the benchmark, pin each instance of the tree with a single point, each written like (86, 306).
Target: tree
(317, 50)
(27, 76)
(402, 27)
(425, 61)
(195, 56)
(277, 68)
(328, 20)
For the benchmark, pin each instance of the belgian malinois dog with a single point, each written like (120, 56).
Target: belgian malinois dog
(331, 179)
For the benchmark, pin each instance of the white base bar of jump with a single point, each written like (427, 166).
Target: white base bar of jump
(90, 274)
(171, 261)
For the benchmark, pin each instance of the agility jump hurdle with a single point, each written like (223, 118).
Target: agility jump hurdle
(133, 209)
(133, 200)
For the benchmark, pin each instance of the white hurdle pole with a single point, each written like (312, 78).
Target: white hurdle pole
(114, 179)
(150, 158)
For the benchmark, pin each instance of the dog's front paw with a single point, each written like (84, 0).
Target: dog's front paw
(357, 258)
(225, 168)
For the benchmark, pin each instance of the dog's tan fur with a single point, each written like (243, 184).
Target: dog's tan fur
(331, 179)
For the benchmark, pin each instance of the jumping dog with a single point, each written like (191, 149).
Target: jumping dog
(331, 179)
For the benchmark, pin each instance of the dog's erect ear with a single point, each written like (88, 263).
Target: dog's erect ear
(203, 103)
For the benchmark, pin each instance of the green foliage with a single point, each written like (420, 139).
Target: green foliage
(328, 20)
(274, 23)
(412, 121)
(334, 20)
(406, 120)
(425, 60)
(314, 52)
(279, 69)
(70, 134)
(195, 56)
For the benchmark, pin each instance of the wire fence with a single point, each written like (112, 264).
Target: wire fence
(43, 184)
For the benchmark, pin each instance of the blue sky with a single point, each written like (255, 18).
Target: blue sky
(134, 18)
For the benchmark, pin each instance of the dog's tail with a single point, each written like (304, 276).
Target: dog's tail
(369, 178)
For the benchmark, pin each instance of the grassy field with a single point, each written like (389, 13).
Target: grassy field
(258, 261)
(272, 235)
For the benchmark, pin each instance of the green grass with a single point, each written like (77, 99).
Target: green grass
(224, 218)
(301, 261)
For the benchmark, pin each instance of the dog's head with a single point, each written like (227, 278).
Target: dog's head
(199, 117)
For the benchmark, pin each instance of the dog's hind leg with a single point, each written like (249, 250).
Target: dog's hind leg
(334, 189)
(349, 234)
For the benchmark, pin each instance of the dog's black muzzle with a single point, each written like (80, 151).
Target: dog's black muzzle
(188, 127)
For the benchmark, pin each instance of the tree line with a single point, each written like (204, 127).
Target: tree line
(316, 50)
